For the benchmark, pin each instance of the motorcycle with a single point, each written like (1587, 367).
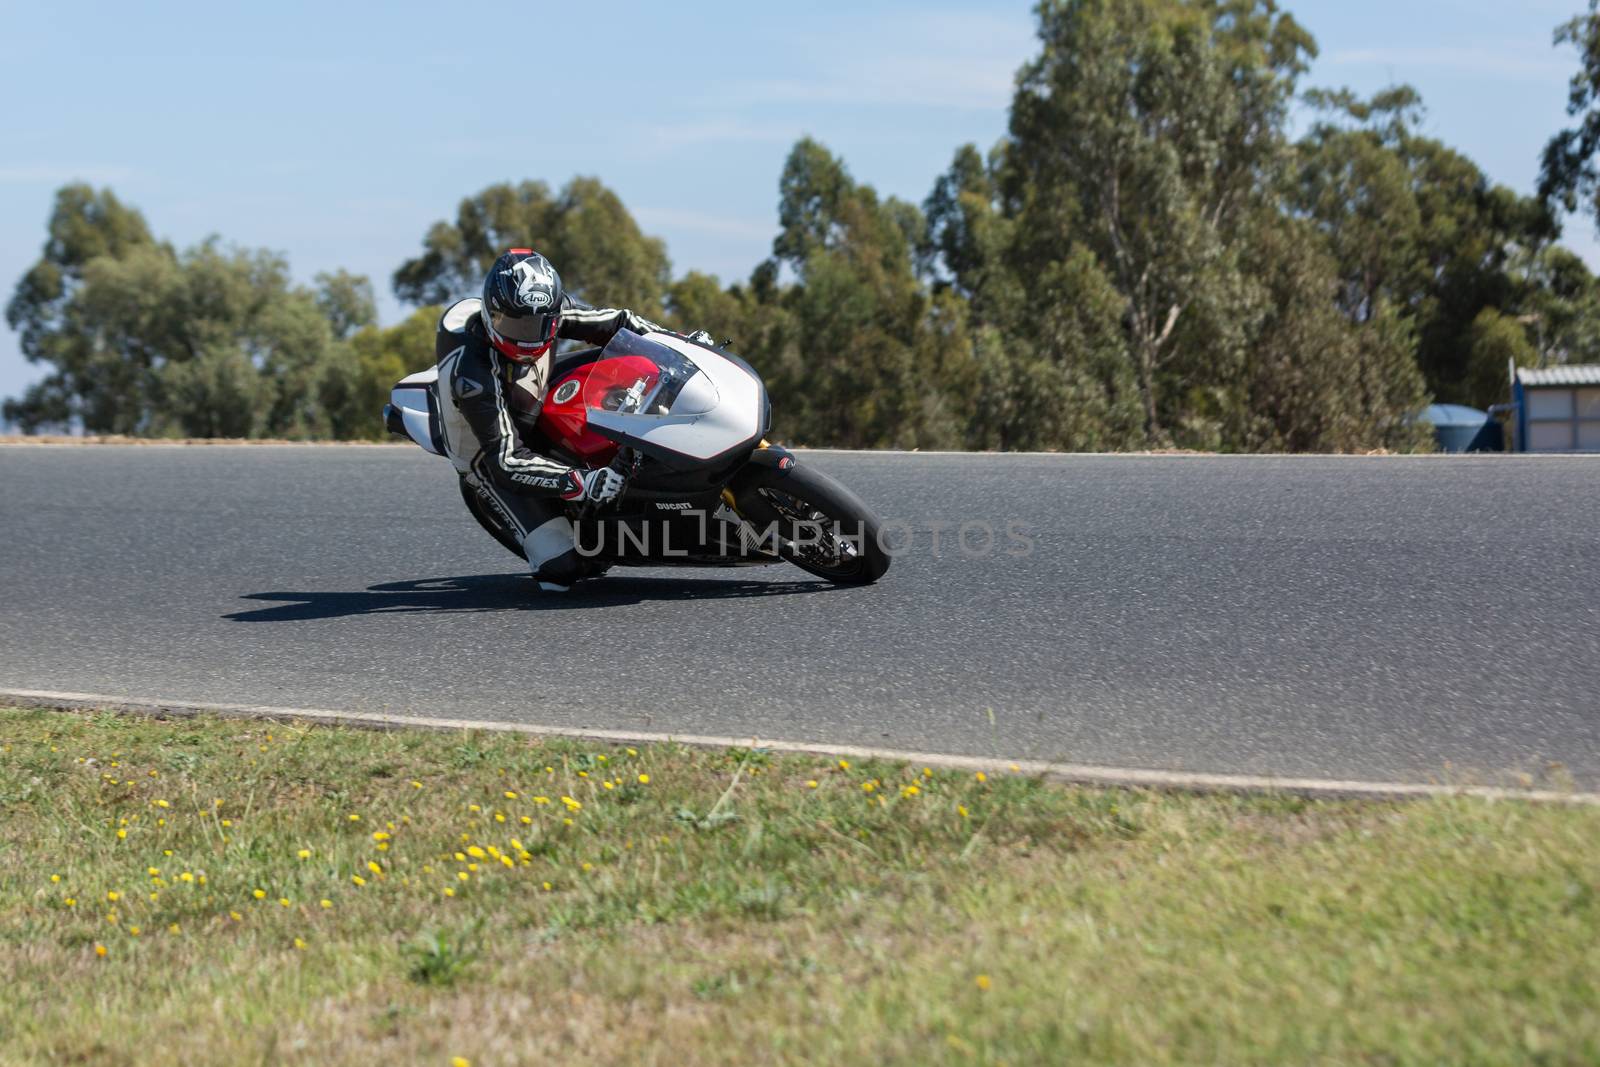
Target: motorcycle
(685, 425)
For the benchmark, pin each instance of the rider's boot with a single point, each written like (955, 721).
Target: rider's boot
(553, 555)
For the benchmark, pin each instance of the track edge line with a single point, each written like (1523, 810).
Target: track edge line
(1070, 773)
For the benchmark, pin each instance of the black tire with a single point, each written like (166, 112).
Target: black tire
(486, 519)
(800, 495)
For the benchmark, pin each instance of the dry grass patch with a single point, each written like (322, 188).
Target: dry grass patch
(216, 891)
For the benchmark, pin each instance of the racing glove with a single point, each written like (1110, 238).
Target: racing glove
(597, 485)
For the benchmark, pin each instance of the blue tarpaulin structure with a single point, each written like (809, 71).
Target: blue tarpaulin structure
(1458, 428)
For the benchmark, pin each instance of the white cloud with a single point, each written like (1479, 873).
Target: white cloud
(719, 131)
(705, 222)
(1521, 63)
(61, 173)
(951, 60)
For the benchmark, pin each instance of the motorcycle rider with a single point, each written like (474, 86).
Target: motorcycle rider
(499, 348)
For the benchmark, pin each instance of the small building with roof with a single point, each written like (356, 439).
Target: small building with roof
(1557, 408)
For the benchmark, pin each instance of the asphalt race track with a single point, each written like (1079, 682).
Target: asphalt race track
(1405, 619)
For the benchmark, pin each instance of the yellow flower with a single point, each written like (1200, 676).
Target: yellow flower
(283, 901)
(608, 785)
(260, 894)
(927, 772)
(983, 981)
(325, 902)
(499, 816)
(526, 821)
(415, 784)
(473, 867)
(354, 817)
(236, 917)
(55, 878)
(961, 810)
(460, 1061)
(1016, 768)
(166, 852)
(844, 765)
(374, 868)
(449, 892)
(475, 852)
(547, 887)
(567, 821)
(358, 880)
(299, 943)
(588, 866)
(910, 791)
(811, 783)
(99, 950)
(162, 804)
(133, 931)
(461, 857)
(113, 896)
(510, 795)
(122, 835)
(463, 875)
(474, 808)
(633, 752)
(506, 861)
(644, 779)
(867, 787)
(541, 800)
(980, 776)
(379, 835)
(572, 805)
(516, 845)
(185, 877)
(71, 902)
(304, 853)
(174, 929)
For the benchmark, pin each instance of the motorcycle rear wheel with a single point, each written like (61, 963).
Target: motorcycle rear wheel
(810, 510)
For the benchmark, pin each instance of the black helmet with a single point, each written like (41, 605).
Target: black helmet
(522, 305)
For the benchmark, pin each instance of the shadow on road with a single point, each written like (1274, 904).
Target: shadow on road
(505, 592)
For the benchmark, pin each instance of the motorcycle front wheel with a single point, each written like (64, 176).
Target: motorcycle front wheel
(818, 525)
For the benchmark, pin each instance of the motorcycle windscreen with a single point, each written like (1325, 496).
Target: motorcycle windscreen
(636, 376)
(697, 404)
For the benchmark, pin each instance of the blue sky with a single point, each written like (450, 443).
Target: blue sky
(336, 133)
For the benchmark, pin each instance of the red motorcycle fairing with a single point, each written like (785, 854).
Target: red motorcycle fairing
(564, 418)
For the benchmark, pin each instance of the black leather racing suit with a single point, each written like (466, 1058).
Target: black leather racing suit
(477, 390)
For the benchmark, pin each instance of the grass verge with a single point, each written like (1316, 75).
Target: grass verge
(218, 891)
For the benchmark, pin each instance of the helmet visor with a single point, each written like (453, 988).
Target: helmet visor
(525, 329)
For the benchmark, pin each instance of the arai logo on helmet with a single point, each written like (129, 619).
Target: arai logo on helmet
(566, 391)
(535, 284)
